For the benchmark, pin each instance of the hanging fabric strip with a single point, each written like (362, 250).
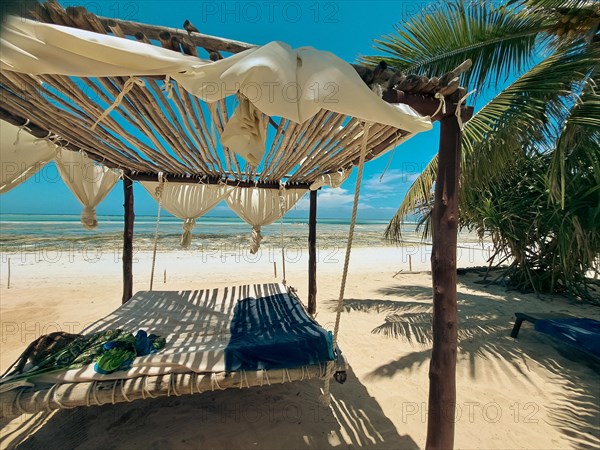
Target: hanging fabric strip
(22, 155)
(188, 202)
(89, 181)
(259, 207)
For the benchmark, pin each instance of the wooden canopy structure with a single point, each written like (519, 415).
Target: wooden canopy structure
(149, 133)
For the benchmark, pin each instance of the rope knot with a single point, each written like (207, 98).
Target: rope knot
(168, 87)
(88, 218)
(256, 238)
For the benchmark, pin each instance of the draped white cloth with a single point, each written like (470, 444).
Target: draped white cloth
(334, 180)
(21, 155)
(259, 207)
(187, 202)
(88, 181)
(279, 81)
(37, 48)
(246, 132)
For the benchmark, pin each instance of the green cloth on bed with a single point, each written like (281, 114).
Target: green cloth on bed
(111, 349)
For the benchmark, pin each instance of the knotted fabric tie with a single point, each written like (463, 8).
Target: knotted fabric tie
(128, 86)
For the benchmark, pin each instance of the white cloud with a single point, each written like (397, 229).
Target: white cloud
(335, 197)
(338, 199)
(391, 182)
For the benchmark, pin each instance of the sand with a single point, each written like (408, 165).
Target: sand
(529, 393)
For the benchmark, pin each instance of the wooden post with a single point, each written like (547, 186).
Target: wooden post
(8, 284)
(442, 369)
(128, 239)
(312, 254)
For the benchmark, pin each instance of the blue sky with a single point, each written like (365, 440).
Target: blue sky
(346, 28)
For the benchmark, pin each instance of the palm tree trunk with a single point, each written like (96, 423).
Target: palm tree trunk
(442, 369)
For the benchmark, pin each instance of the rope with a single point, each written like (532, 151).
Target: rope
(21, 128)
(192, 382)
(95, 394)
(442, 105)
(286, 372)
(244, 377)
(214, 383)
(326, 397)
(53, 396)
(147, 391)
(389, 163)
(461, 125)
(264, 376)
(158, 193)
(173, 386)
(88, 394)
(123, 391)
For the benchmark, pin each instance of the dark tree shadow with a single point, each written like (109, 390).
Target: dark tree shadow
(576, 412)
(271, 417)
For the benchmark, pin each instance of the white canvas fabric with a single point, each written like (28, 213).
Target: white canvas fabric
(88, 181)
(188, 202)
(259, 207)
(21, 155)
(333, 180)
(279, 81)
(36, 48)
(296, 84)
(246, 132)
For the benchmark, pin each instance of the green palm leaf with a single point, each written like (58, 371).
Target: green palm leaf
(523, 118)
(497, 40)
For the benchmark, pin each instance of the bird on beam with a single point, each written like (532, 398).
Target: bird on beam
(189, 27)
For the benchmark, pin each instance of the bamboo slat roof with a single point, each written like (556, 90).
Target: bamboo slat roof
(179, 136)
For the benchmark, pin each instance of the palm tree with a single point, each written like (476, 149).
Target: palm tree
(548, 52)
(546, 55)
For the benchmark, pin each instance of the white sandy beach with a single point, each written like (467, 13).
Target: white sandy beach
(527, 393)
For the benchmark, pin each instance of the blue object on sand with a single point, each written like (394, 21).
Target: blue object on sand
(581, 333)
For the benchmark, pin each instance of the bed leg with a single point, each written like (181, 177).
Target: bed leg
(340, 376)
(515, 331)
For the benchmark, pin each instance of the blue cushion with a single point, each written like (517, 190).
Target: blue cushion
(581, 333)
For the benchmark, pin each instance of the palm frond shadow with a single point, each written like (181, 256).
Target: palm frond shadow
(576, 412)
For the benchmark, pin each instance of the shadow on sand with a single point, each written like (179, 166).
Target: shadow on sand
(575, 412)
(278, 416)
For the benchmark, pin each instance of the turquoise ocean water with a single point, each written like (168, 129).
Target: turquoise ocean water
(22, 232)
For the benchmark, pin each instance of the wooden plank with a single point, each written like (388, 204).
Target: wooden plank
(205, 41)
(312, 254)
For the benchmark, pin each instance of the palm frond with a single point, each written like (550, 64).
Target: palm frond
(577, 146)
(499, 41)
(557, 4)
(411, 327)
(419, 196)
(522, 118)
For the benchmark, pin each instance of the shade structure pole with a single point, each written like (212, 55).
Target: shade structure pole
(128, 239)
(312, 254)
(442, 369)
